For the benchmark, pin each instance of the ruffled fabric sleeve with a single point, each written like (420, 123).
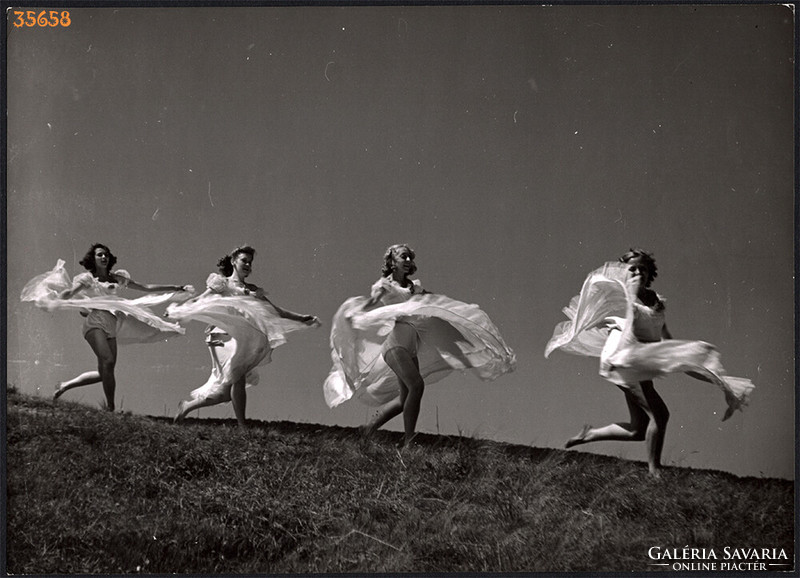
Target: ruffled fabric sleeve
(84, 279)
(122, 277)
(379, 287)
(216, 282)
(136, 323)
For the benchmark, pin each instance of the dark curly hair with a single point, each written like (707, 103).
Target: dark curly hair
(646, 259)
(88, 258)
(225, 264)
(388, 259)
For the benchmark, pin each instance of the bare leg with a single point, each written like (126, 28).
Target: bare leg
(387, 412)
(106, 351)
(412, 386)
(87, 378)
(107, 374)
(620, 431)
(657, 428)
(186, 407)
(648, 422)
(239, 400)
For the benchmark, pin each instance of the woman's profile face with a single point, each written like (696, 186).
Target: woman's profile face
(242, 264)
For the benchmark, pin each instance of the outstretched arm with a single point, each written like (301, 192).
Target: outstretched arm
(286, 314)
(150, 288)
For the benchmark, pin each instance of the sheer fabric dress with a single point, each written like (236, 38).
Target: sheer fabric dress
(608, 322)
(126, 320)
(443, 333)
(244, 328)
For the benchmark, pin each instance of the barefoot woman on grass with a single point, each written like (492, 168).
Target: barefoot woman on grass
(618, 318)
(245, 327)
(385, 346)
(108, 317)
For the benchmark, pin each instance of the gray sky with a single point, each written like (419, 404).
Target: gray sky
(516, 148)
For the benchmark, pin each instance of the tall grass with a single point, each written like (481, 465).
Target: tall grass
(94, 492)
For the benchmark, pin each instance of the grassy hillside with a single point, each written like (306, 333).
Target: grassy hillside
(91, 492)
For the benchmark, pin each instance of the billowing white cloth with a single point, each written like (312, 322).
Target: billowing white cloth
(451, 335)
(249, 329)
(606, 321)
(135, 322)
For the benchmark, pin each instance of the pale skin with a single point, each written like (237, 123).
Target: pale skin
(242, 267)
(401, 361)
(104, 347)
(648, 412)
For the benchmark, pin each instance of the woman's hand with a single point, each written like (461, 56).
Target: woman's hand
(69, 293)
(635, 284)
(612, 323)
(311, 320)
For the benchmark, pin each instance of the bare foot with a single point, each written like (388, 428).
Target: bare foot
(366, 430)
(179, 416)
(578, 439)
(57, 392)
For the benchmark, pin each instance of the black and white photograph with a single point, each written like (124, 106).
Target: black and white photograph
(391, 288)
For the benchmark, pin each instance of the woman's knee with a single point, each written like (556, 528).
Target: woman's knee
(399, 359)
(658, 409)
(416, 385)
(395, 356)
(405, 365)
(640, 422)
